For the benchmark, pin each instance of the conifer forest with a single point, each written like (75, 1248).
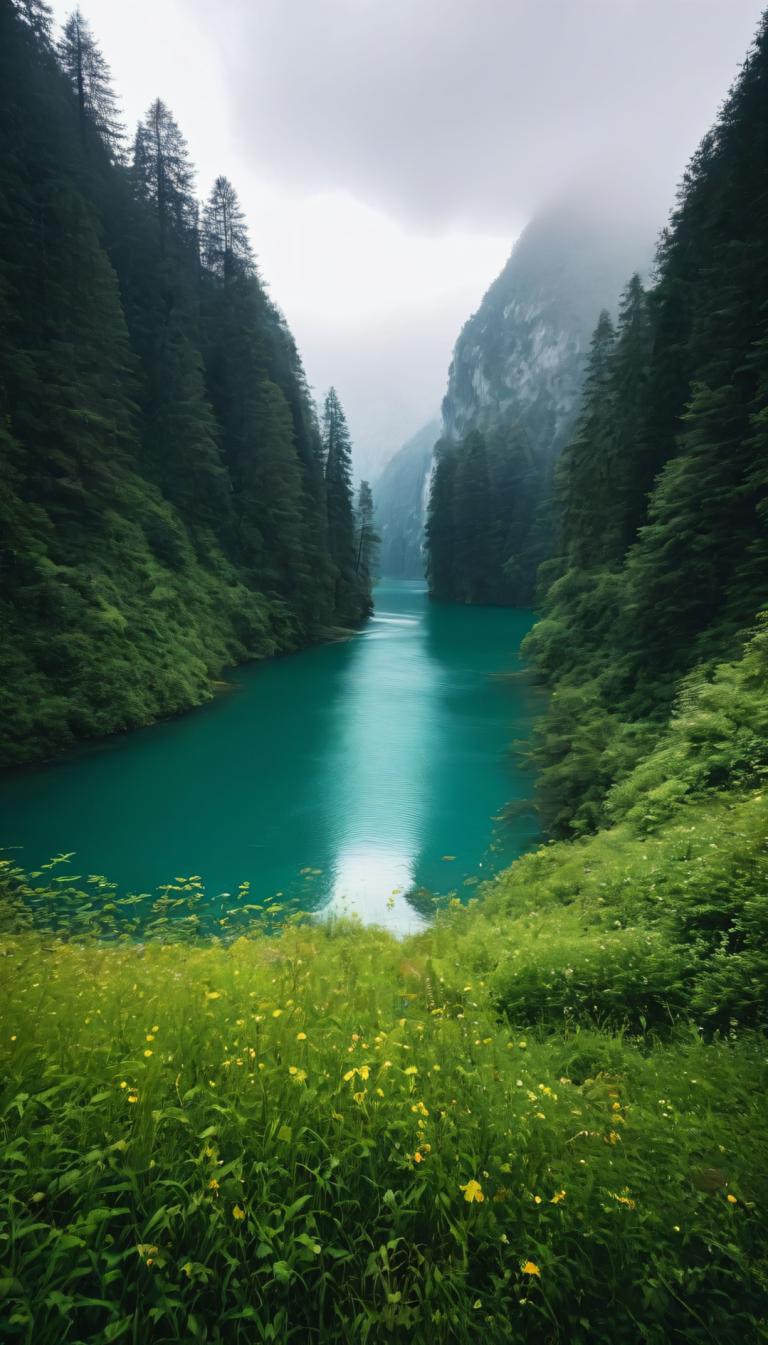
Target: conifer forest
(383, 830)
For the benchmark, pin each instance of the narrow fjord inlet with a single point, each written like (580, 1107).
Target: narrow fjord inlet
(340, 778)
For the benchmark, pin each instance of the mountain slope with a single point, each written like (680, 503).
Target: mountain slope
(515, 379)
(401, 496)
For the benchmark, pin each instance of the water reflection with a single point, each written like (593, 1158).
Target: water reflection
(356, 777)
(380, 765)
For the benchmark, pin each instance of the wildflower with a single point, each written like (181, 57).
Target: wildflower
(615, 1106)
(148, 1052)
(293, 1069)
(150, 1036)
(299, 1075)
(213, 994)
(557, 1197)
(301, 1036)
(359, 1097)
(420, 1108)
(436, 1068)
(276, 1013)
(350, 1074)
(238, 1212)
(624, 1200)
(133, 1097)
(417, 1157)
(411, 1070)
(537, 1200)
(380, 1092)
(613, 1137)
(731, 1199)
(213, 1185)
(123, 1084)
(530, 1268)
(472, 1191)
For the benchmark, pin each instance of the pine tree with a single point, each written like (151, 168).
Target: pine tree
(367, 542)
(337, 452)
(440, 533)
(226, 247)
(183, 437)
(89, 75)
(163, 174)
(631, 457)
(474, 526)
(585, 481)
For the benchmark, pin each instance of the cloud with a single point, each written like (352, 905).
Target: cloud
(471, 112)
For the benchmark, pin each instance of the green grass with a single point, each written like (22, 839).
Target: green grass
(275, 1138)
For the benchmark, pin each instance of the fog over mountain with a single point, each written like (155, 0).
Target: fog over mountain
(388, 153)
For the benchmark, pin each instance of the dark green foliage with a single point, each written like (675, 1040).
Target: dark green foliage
(441, 522)
(85, 67)
(161, 496)
(367, 540)
(353, 584)
(663, 563)
(485, 535)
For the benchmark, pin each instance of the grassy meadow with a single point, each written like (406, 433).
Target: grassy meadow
(508, 1127)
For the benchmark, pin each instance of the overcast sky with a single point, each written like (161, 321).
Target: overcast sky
(388, 152)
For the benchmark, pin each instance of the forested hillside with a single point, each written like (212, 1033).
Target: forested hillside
(662, 568)
(513, 393)
(168, 504)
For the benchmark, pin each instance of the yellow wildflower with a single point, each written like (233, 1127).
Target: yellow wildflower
(530, 1268)
(133, 1097)
(358, 1097)
(557, 1197)
(411, 1070)
(213, 1185)
(276, 1013)
(238, 1212)
(472, 1191)
(150, 1036)
(148, 1052)
(301, 1036)
(731, 1199)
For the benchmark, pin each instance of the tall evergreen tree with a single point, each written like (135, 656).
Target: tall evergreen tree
(585, 479)
(367, 542)
(441, 522)
(474, 521)
(629, 383)
(337, 452)
(89, 76)
(183, 436)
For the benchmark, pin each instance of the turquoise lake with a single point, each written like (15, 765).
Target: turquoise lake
(357, 776)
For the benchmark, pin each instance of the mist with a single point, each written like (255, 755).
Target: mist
(389, 152)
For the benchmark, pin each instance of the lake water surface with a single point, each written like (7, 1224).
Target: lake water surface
(350, 777)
